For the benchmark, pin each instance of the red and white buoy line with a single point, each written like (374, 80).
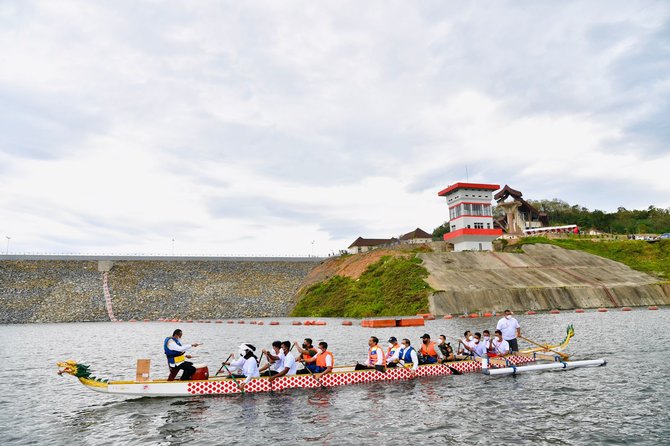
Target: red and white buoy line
(108, 298)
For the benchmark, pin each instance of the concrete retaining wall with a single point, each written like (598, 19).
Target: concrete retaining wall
(542, 278)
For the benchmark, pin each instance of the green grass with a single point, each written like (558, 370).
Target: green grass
(390, 287)
(652, 258)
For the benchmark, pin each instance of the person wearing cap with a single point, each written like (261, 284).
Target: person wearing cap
(510, 329)
(430, 354)
(247, 364)
(407, 354)
(393, 352)
(275, 360)
(176, 356)
(289, 364)
(307, 352)
(445, 349)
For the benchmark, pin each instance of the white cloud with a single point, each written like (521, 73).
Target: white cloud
(261, 127)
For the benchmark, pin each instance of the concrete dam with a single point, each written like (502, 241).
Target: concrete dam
(85, 289)
(543, 277)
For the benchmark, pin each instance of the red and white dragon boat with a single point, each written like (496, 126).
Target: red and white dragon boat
(526, 360)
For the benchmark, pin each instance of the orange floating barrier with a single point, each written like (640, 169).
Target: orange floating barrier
(626, 309)
(414, 322)
(274, 323)
(602, 310)
(448, 316)
(347, 323)
(296, 323)
(253, 322)
(260, 323)
(378, 323)
(531, 312)
(219, 322)
(146, 320)
(579, 310)
(189, 321)
(307, 323)
(554, 312)
(653, 307)
(425, 315)
(473, 315)
(320, 323)
(230, 322)
(240, 322)
(488, 314)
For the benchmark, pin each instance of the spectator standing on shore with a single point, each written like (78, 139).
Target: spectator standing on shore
(510, 329)
(176, 356)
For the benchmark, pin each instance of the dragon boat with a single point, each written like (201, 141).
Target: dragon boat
(344, 375)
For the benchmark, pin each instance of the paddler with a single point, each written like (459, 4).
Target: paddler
(289, 365)
(499, 346)
(324, 360)
(247, 364)
(176, 356)
(393, 352)
(275, 360)
(445, 349)
(430, 354)
(478, 349)
(467, 344)
(408, 354)
(307, 352)
(376, 357)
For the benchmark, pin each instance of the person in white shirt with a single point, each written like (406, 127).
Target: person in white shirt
(176, 355)
(247, 364)
(408, 354)
(499, 346)
(289, 364)
(486, 338)
(510, 329)
(275, 360)
(466, 343)
(393, 352)
(479, 348)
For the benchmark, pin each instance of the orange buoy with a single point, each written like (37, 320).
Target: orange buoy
(473, 315)
(260, 323)
(602, 310)
(230, 322)
(320, 323)
(296, 323)
(579, 310)
(531, 312)
(430, 318)
(253, 322)
(653, 307)
(219, 321)
(189, 321)
(307, 323)
(554, 312)
(626, 309)
(240, 322)
(462, 316)
(448, 316)
(274, 323)
(488, 314)
(347, 323)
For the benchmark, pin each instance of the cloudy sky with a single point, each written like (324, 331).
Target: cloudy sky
(286, 128)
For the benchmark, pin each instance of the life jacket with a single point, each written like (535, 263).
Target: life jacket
(428, 350)
(321, 359)
(391, 351)
(406, 354)
(174, 357)
(306, 355)
(372, 356)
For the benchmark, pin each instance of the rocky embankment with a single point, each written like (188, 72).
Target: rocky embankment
(72, 290)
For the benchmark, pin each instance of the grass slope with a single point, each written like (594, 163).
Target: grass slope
(392, 286)
(652, 258)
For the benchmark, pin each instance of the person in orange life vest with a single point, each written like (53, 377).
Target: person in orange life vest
(324, 360)
(376, 357)
(430, 354)
(176, 356)
(393, 352)
(498, 346)
(306, 353)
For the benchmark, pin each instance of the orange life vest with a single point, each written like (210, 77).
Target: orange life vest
(321, 359)
(428, 350)
(391, 351)
(373, 358)
(306, 355)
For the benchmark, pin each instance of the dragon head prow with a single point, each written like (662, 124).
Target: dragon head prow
(73, 368)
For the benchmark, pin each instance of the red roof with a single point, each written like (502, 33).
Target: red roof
(475, 186)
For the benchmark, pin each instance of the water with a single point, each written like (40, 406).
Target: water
(625, 402)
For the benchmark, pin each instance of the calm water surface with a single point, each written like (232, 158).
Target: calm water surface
(625, 402)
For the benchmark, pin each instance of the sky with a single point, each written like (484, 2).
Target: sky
(294, 127)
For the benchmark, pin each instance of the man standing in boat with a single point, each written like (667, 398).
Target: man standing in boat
(176, 356)
(510, 330)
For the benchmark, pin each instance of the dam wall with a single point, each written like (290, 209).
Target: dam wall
(543, 277)
(62, 289)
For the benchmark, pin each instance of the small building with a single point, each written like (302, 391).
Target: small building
(470, 217)
(368, 244)
(417, 236)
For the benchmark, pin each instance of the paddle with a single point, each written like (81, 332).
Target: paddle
(312, 373)
(234, 379)
(562, 355)
(223, 364)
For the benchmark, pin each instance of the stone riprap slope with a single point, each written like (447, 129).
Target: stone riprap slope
(543, 277)
(65, 291)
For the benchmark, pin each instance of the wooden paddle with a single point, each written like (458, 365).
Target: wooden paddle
(562, 355)
(312, 373)
(223, 364)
